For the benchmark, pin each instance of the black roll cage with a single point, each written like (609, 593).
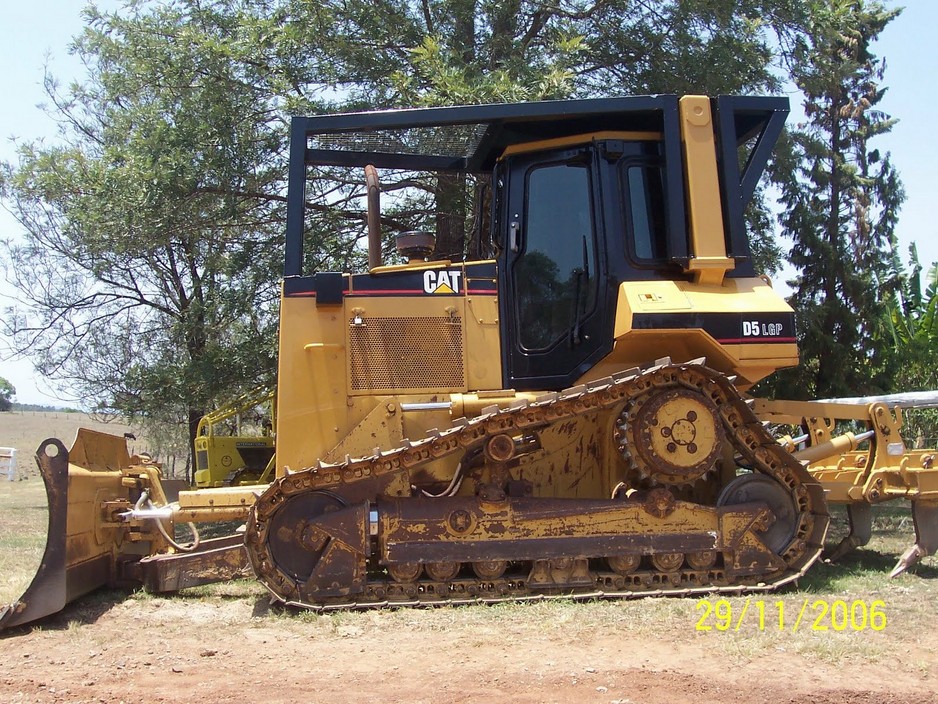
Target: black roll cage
(470, 139)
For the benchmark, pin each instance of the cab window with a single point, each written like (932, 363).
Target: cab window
(555, 273)
(643, 192)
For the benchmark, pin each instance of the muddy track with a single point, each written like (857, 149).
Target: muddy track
(363, 479)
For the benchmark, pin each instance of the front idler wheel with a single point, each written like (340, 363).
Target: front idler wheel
(758, 488)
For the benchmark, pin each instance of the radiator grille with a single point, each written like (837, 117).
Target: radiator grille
(406, 353)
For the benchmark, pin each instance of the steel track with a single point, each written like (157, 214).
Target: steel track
(748, 436)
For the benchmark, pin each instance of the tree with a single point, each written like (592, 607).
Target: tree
(153, 227)
(841, 198)
(472, 52)
(150, 278)
(7, 392)
(911, 331)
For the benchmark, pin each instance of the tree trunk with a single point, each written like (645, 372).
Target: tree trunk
(450, 217)
(195, 415)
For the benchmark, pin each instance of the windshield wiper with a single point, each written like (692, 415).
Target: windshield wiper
(582, 275)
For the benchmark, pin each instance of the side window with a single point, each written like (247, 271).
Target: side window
(643, 184)
(554, 276)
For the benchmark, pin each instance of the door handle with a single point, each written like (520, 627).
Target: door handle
(514, 236)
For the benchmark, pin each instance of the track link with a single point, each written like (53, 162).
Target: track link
(346, 490)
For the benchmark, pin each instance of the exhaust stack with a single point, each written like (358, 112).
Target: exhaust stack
(374, 216)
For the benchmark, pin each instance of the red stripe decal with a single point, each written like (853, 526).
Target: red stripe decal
(741, 340)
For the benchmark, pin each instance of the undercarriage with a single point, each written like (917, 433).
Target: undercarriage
(709, 502)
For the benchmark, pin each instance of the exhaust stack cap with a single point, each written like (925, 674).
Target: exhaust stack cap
(415, 245)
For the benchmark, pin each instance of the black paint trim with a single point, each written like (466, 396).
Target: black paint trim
(330, 286)
(738, 120)
(726, 328)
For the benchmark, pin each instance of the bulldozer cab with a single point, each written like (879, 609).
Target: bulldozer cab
(563, 257)
(587, 198)
(552, 282)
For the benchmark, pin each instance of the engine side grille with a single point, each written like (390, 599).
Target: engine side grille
(406, 354)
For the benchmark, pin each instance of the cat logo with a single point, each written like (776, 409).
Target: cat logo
(441, 281)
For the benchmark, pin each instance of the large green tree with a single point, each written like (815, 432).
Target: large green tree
(841, 197)
(153, 225)
(7, 392)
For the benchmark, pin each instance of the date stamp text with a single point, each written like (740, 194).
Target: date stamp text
(809, 615)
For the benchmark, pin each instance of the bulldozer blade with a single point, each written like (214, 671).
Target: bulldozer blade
(87, 547)
(925, 518)
(47, 593)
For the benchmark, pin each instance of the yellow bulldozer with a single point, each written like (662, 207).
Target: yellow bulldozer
(561, 414)
(243, 455)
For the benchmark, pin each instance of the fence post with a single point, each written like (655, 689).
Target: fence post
(8, 462)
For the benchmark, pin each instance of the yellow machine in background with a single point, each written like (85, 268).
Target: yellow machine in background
(236, 457)
(562, 414)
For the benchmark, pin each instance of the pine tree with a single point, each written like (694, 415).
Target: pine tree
(842, 198)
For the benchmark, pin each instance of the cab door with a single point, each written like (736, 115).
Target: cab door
(552, 268)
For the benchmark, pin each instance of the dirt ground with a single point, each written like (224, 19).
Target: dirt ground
(236, 649)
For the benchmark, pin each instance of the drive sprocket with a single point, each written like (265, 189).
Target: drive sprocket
(674, 437)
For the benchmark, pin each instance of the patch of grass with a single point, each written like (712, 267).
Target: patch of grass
(840, 647)
(24, 518)
(233, 589)
(343, 622)
(824, 646)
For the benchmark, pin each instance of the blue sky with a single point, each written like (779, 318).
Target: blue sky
(38, 32)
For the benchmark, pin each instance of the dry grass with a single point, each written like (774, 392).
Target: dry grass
(23, 518)
(25, 430)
